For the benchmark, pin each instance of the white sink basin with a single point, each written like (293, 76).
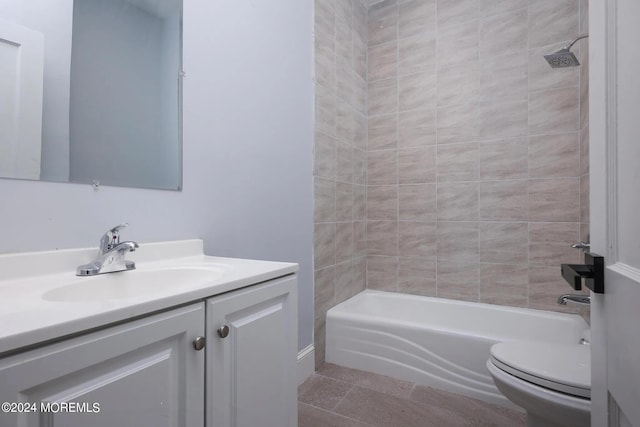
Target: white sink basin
(132, 284)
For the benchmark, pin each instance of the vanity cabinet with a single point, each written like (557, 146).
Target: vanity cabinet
(142, 373)
(239, 346)
(252, 337)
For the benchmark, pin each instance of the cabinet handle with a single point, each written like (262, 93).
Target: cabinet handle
(223, 331)
(199, 343)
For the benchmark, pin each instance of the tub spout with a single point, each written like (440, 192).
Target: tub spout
(578, 299)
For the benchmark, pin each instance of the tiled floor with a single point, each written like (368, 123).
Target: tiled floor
(340, 397)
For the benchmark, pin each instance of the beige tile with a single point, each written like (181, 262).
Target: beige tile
(325, 110)
(383, 97)
(504, 76)
(494, 7)
(554, 156)
(550, 243)
(383, 61)
(584, 151)
(324, 156)
(542, 76)
(417, 239)
(458, 201)
(382, 202)
(584, 90)
(325, 57)
(310, 416)
(382, 167)
(457, 123)
(417, 128)
(345, 79)
(344, 281)
(458, 162)
(545, 286)
(383, 132)
(458, 241)
(324, 392)
(359, 274)
(460, 281)
(417, 91)
(360, 93)
(417, 54)
(350, 123)
(344, 12)
(360, 58)
(359, 166)
(552, 21)
(504, 242)
(458, 85)
(416, 17)
(504, 284)
(382, 273)
(383, 22)
(381, 409)
(324, 237)
(344, 40)
(457, 44)
(585, 233)
(323, 290)
(417, 202)
(474, 412)
(381, 383)
(504, 159)
(382, 238)
(319, 339)
(454, 12)
(554, 200)
(359, 202)
(417, 165)
(359, 238)
(417, 276)
(344, 204)
(503, 33)
(345, 157)
(344, 241)
(554, 111)
(359, 20)
(584, 199)
(503, 200)
(503, 118)
(325, 200)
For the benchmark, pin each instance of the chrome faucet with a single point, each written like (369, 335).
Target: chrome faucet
(575, 298)
(110, 255)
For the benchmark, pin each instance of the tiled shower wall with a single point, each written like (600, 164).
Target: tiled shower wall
(450, 159)
(339, 156)
(474, 149)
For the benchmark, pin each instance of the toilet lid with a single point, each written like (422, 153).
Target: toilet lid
(561, 367)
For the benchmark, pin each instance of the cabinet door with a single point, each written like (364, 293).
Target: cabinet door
(251, 378)
(142, 373)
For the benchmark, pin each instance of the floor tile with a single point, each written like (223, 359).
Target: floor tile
(309, 416)
(381, 383)
(323, 392)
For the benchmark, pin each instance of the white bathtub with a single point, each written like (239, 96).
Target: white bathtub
(437, 342)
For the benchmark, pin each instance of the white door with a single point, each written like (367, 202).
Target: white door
(141, 373)
(21, 83)
(614, 86)
(251, 375)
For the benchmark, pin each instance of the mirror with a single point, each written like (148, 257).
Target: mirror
(91, 91)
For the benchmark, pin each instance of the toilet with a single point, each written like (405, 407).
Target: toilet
(552, 382)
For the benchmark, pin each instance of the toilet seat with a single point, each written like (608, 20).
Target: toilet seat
(560, 367)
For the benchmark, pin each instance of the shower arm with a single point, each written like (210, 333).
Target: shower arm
(584, 36)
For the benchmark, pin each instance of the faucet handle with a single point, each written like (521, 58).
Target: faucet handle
(111, 238)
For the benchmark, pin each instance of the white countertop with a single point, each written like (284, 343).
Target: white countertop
(28, 314)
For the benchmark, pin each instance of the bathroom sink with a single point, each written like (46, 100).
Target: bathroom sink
(132, 284)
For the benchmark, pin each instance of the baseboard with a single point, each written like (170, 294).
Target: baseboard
(306, 363)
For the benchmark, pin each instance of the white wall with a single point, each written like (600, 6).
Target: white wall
(247, 153)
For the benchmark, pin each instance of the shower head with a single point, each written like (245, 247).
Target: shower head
(564, 58)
